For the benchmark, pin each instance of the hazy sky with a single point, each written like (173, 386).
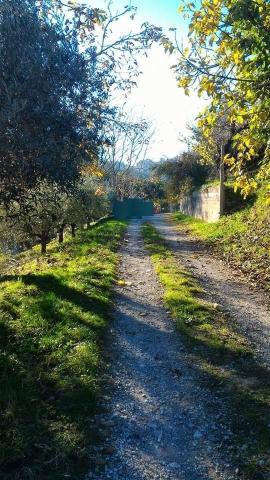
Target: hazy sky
(157, 96)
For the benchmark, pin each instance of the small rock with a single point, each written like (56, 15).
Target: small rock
(197, 435)
(173, 465)
(107, 398)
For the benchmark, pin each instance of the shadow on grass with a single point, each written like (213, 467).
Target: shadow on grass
(44, 425)
(48, 380)
(49, 283)
(50, 361)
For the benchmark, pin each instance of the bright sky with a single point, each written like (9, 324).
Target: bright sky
(157, 96)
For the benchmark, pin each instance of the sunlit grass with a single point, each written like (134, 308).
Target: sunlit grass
(222, 356)
(197, 318)
(54, 310)
(225, 229)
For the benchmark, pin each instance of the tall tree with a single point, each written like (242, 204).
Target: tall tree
(41, 78)
(128, 142)
(228, 58)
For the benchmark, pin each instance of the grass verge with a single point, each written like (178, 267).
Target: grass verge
(53, 314)
(243, 238)
(223, 358)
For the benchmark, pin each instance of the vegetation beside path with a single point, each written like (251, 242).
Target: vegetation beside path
(54, 310)
(223, 358)
(243, 238)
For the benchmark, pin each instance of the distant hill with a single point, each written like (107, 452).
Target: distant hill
(143, 168)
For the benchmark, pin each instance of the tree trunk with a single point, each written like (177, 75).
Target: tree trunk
(61, 234)
(222, 180)
(73, 230)
(43, 242)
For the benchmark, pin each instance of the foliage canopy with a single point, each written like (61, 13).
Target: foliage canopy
(228, 58)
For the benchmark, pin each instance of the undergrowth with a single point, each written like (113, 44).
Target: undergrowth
(53, 314)
(222, 356)
(243, 238)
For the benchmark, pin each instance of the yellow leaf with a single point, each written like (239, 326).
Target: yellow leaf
(237, 57)
(183, 82)
(186, 52)
(239, 119)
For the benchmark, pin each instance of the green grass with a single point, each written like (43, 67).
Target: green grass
(210, 183)
(223, 358)
(54, 310)
(243, 238)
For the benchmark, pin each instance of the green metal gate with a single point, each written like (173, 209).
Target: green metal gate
(132, 208)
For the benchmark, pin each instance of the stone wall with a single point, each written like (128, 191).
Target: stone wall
(204, 204)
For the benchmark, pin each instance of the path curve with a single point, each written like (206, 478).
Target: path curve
(247, 306)
(157, 425)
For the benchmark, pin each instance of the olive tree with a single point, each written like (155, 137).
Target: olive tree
(37, 214)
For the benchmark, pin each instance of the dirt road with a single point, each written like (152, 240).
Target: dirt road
(160, 423)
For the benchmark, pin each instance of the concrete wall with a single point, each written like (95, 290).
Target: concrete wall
(203, 204)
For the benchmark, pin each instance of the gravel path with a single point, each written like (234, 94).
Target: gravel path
(156, 425)
(248, 307)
